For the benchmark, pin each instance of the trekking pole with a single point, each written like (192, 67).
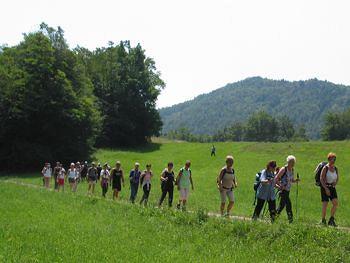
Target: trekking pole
(296, 198)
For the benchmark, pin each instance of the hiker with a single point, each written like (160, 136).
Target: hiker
(329, 179)
(104, 179)
(92, 178)
(145, 182)
(56, 171)
(226, 182)
(213, 151)
(46, 173)
(99, 169)
(183, 182)
(78, 168)
(266, 191)
(167, 179)
(83, 172)
(60, 178)
(72, 177)
(117, 178)
(284, 180)
(134, 182)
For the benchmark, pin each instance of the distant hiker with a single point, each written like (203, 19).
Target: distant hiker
(184, 182)
(60, 178)
(117, 178)
(56, 171)
(226, 182)
(104, 179)
(83, 172)
(266, 191)
(72, 177)
(213, 151)
(329, 179)
(284, 179)
(145, 182)
(78, 168)
(167, 179)
(92, 178)
(47, 173)
(134, 182)
(99, 169)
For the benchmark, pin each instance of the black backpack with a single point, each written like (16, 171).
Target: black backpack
(257, 181)
(318, 172)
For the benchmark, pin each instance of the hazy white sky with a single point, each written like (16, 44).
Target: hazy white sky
(201, 45)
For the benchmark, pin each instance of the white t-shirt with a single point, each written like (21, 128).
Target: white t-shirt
(72, 173)
(47, 172)
(331, 177)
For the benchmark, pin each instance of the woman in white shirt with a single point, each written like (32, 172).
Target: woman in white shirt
(72, 177)
(47, 173)
(329, 179)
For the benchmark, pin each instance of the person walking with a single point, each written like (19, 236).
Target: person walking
(213, 151)
(61, 178)
(145, 182)
(134, 178)
(167, 179)
(184, 182)
(266, 191)
(329, 179)
(47, 173)
(56, 171)
(284, 180)
(105, 177)
(92, 178)
(72, 177)
(117, 179)
(226, 182)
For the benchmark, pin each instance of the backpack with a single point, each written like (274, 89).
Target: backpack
(318, 172)
(257, 181)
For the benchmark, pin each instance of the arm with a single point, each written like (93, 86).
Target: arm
(122, 176)
(323, 180)
(336, 182)
(221, 174)
(162, 178)
(178, 178)
(279, 176)
(191, 181)
(263, 178)
(235, 182)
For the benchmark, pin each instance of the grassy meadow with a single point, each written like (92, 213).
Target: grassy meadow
(39, 225)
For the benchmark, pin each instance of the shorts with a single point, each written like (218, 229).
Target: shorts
(60, 181)
(117, 187)
(184, 193)
(71, 180)
(91, 181)
(227, 193)
(325, 197)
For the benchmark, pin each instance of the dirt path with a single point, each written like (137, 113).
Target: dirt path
(211, 214)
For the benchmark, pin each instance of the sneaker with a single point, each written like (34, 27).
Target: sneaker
(331, 222)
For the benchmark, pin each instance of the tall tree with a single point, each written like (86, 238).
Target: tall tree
(262, 127)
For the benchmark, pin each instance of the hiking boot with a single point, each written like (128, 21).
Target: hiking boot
(178, 206)
(323, 222)
(331, 222)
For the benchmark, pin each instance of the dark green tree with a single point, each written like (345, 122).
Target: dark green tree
(262, 127)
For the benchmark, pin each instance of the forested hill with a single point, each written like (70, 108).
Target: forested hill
(304, 102)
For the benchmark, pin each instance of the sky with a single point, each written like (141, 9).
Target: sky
(199, 46)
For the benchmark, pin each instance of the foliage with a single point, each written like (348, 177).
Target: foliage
(47, 108)
(304, 102)
(337, 126)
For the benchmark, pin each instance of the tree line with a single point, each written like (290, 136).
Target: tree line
(260, 127)
(58, 103)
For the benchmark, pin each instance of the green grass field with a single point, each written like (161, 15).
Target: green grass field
(40, 225)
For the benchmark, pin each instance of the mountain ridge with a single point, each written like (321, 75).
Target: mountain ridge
(305, 102)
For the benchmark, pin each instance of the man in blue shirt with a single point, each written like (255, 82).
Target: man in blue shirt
(134, 182)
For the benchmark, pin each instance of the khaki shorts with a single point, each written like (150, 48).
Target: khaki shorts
(184, 192)
(227, 193)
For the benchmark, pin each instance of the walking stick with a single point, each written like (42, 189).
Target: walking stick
(296, 197)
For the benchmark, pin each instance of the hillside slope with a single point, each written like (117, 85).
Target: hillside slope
(305, 102)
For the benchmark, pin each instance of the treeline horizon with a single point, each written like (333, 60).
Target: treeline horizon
(263, 127)
(58, 104)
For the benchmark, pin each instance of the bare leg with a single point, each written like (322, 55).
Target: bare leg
(229, 207)
(334, 207)
(222, 208)
(324, 209)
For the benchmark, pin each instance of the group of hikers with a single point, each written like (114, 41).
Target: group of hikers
(270, 184)
(115, 177)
